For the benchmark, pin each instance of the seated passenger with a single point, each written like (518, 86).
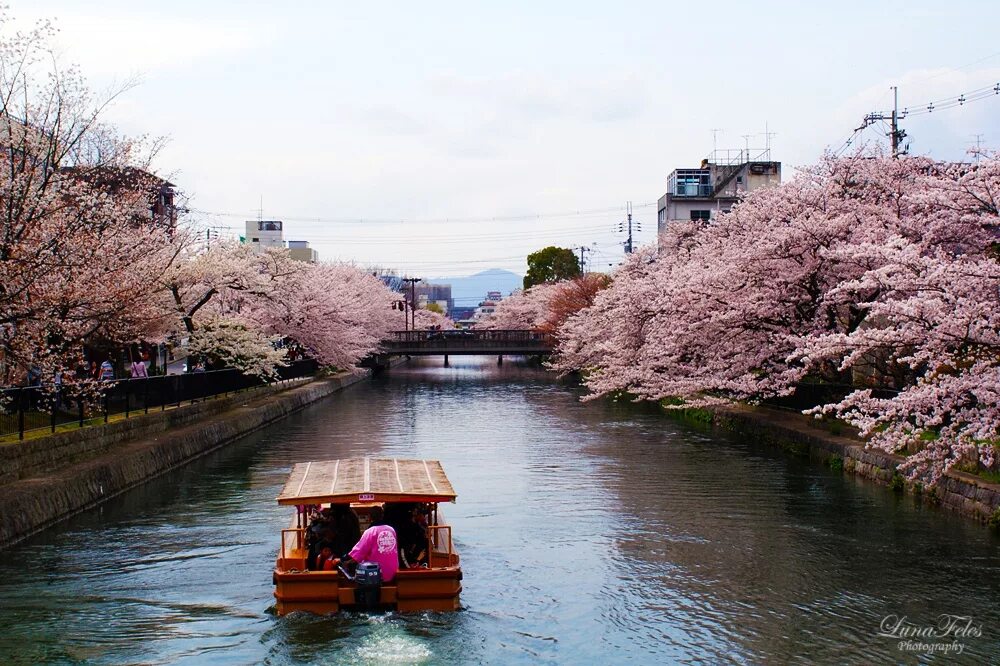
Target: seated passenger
(326, 561)
(377, 544)
(412, 535)
(345, 523)
(323, 536)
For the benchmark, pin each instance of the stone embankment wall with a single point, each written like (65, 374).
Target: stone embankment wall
(958, 491)
(46, 480)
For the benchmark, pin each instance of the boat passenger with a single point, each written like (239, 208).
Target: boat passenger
(377, 544)
(321, 533)
(326, 561)
(412, 533)
(345, 523)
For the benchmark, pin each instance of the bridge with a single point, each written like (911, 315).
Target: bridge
(468, 343)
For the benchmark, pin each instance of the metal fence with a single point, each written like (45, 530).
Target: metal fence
(35, 408)
(808, 395)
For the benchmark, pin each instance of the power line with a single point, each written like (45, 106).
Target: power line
(952, 102)
(441, 220)
(416, 236)
(896, 134)
(950, 70)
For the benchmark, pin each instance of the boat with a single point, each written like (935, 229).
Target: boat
(352, 487)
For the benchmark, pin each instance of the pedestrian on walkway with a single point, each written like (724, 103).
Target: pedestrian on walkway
(138, 370)
(107, 370)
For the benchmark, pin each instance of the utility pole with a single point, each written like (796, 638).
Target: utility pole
(628, 242)
(896, 135)
(895, 122)
(413, 300)
(211, 233)
(979, 146)
(582, 249)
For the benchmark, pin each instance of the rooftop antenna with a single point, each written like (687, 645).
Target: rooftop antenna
(715, 144)
(767, 139)
(260, 210)
(746, 141)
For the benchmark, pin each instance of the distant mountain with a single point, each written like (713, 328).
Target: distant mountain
(468, 291)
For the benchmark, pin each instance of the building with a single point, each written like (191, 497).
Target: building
(300, 251)
(265, 234)
(703, 193)
(116, 180)
(487, 307)
(269, 234)
(425, 293)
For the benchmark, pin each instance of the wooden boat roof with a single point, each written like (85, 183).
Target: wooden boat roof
(367, 480)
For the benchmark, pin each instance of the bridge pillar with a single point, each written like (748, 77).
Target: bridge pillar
(446, 360)
(500, 359)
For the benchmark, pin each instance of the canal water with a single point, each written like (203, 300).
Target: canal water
(589, 533)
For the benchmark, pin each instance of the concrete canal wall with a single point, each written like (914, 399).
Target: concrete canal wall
(46, 480)
(958, 491)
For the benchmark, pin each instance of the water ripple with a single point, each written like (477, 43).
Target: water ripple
(589, 533)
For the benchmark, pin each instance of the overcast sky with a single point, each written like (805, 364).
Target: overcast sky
(485, 126)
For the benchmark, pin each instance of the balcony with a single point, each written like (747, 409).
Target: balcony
(690, 183)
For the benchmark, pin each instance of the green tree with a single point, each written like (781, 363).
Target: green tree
(551, 264)
(434, 307)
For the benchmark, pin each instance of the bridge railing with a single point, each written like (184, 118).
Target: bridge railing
(494, 336)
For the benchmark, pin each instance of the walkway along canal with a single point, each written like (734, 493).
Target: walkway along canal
(590, 533)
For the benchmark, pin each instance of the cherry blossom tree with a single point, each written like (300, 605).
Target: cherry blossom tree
(525, 309)
(864, 267)
(546, 306)
(80, 255)
(933, 333)
(428, 319)
(218, 297)
(338, 312)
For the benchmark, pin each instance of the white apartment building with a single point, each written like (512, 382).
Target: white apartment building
(265, 234)
(703, 193)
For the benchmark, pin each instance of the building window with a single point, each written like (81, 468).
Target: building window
(701, 215)
(662, 216)
(690, 183)
(269, 225)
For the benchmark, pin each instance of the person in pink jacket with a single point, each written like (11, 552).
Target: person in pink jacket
(378, 544)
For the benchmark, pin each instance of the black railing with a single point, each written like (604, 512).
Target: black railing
(479, 335)
(36, 408)
(482, 340)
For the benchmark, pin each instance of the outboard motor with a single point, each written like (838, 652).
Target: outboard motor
(369, 580)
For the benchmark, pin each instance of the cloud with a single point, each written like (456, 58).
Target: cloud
(387, 120)
(119, 45)
(534, 98)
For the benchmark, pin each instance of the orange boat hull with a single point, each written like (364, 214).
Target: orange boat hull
(329, 592)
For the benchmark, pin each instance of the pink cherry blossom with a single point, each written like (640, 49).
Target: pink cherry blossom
(864, 270)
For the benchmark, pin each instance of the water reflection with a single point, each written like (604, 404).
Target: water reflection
(599, 533)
